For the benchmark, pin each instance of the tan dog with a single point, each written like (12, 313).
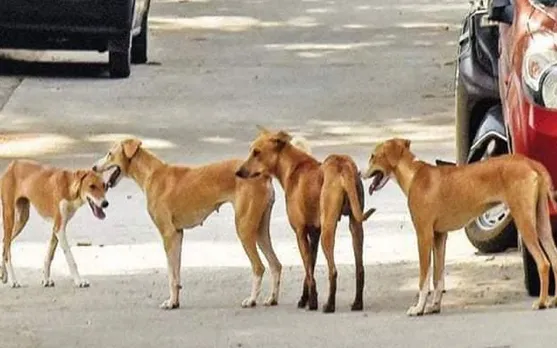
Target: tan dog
(56, 194)
(317, 194)
(445, 198)
(180, 197)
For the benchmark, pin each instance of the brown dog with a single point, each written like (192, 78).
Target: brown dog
(445, 198)
(180, 197)
(317, 194)
(56, 194)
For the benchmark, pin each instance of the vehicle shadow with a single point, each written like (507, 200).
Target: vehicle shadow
(14, 67)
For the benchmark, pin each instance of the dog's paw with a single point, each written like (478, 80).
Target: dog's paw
(329, 308)
(48, 283)
(433, 309)
(16, 285)
(357, 306)
(248, 302)
(312, 304)
(414, 311)
(82, 284)
(169, 305)
(3, 274)
(271, 301)
(540, 305)
(552, 303)
(302, 302)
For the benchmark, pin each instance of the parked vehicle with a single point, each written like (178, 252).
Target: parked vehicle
(116, 26)
(506, 102)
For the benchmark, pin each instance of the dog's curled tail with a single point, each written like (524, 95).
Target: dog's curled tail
(348, 180)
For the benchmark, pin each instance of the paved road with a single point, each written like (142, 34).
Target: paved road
(345, 74)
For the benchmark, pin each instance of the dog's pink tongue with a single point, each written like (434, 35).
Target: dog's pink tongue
(375, 182)
(99, 213)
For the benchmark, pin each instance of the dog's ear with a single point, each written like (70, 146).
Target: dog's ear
(281, 139)
(262, 130)
(130, 147)
(75, 183)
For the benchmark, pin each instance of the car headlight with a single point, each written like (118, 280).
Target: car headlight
(539, 71)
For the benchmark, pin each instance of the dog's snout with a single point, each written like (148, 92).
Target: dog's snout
(242, 173)
(95, 168)
(104, 204)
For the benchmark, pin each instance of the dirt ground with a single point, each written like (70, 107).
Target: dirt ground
(118, 305)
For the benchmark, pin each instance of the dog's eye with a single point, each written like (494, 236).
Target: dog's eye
(92, 186)
(256, 153)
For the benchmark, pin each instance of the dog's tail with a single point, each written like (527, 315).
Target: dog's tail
(348, 180)
(546, 185)
(301, 143)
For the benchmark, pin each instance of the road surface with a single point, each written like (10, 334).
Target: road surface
(345, 74)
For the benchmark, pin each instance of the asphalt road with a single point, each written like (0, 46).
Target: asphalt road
(345, 74)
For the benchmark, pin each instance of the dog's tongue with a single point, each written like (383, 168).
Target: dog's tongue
(98, 212)
(375, 182)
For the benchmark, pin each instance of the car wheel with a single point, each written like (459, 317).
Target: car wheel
(494, 230)
(531, 276)
(139, 44)
(120, 61)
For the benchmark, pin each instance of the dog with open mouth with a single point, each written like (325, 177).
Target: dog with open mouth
(181, 197)
(56, 194)
(445, 197)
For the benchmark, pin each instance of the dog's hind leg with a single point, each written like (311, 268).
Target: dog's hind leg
(331, 202)
(357, 231)
(439, 247)
(52, 244)
(8, 215)
(424, 234)
(266, 246)
(545, 234)
(524, 216)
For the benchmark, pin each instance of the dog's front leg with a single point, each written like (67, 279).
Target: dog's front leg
(309, 294)
(61, 235)
(173, 249)
(425, 240)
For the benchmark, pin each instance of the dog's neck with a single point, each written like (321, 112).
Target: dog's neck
(406, 169)
(142, 165)
(289, 160)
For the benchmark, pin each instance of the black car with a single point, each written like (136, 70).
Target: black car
(116, 26)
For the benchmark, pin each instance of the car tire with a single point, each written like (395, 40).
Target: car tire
(531, 276)
(120, 61)
(139, 44)
(498, 238)
(494, 230)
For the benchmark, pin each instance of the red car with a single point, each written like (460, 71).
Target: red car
(506, 102)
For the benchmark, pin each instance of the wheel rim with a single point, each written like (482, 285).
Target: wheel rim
(493, 217)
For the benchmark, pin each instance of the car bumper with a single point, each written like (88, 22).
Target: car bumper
(540, 138)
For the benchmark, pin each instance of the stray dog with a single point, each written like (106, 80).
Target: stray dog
(317, 194)
(445, 198)
(180, 197)
(56, 194)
